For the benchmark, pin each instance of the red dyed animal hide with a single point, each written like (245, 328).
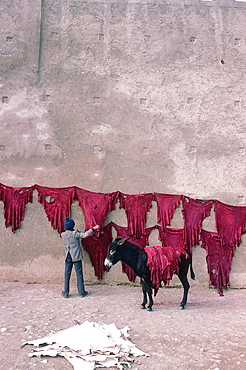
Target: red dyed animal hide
(15, 199)
(194, 212)
(96, 206)
(166, 205)
(172, 237)
(96, 246)
(230, 223)
(140, 242)
(57, 204)
(136, 208)
(163, 263)
(219, 259)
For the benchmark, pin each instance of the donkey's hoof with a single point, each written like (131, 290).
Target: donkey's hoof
(143, 307)
(149, 309)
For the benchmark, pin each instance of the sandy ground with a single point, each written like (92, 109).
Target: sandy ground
(208, 334)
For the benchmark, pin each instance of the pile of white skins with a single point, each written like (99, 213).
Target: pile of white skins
(89, 345)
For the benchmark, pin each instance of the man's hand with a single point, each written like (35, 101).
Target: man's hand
(97, 227)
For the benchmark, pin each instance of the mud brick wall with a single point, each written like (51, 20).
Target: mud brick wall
(136, 96)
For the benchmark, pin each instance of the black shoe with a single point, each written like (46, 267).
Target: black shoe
(64, 295)
(84, 294)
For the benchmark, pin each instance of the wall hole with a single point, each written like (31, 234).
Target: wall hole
(97, 149)
(5, 99)
(9, 38)
(54, 35)
(242, 151)
(143, 101)
(147, 38)
(192, 149)
(47, 147)
(2, 148)
(96, 100)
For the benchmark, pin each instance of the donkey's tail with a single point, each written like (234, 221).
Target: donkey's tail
(192, 274)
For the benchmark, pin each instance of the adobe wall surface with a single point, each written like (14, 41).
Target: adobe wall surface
(119, 95)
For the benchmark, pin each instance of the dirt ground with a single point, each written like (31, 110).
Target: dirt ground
(208, 334)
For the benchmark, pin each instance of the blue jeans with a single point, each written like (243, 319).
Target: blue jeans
(79, 272)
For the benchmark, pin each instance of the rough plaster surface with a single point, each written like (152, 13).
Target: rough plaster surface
(111, 95)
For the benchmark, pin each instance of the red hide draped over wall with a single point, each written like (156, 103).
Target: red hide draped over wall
(95, 207)
(194, 212)
(230, 223)
(219, 259)
(220, 246)
(136, 208)
(14, 200)
(96, 246)
(57, 204)
(166, 205)
(172, 237)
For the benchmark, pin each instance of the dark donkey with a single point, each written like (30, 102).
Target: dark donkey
(136, 258)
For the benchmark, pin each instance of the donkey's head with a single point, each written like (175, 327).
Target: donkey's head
(114, 252)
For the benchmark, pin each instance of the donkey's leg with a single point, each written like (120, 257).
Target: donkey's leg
(149, 291)
(186, 286)
(183, 272)
(144, 294)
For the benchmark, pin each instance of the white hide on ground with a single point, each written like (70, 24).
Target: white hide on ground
(89, 345)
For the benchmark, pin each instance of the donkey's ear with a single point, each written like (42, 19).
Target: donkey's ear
(122, 241)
